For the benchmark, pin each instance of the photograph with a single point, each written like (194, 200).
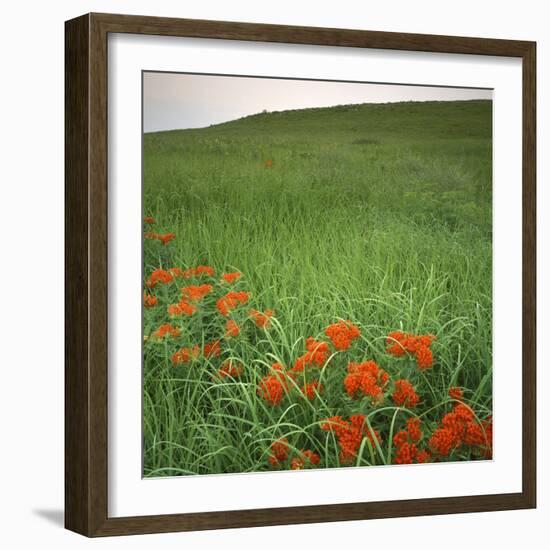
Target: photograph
(317, 274)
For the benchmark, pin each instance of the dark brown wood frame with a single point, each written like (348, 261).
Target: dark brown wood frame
(86, 274)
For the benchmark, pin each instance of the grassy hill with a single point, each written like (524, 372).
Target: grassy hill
(437, 154)
(377, 213)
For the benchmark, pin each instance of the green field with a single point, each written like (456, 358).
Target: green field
(377, 214)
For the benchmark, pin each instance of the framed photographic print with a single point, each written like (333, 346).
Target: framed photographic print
(300, 274)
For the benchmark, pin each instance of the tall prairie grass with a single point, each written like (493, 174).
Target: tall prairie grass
(377, 214)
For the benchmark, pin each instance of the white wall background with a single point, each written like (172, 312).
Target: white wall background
(31, 273)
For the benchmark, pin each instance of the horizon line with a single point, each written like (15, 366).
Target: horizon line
(266, 112)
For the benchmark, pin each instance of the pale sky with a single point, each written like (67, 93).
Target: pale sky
(176, 101)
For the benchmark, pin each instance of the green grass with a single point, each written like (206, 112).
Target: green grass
(380, 214)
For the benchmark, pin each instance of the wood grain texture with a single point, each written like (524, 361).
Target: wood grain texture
(86, 259)
(77, 387)
(529, 276)
(164, 26)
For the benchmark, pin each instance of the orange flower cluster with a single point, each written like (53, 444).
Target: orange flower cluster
(149, 300)
(192, 293)
(261, 318)
(366, 379)
(401, 343)
(405, 443)
(148, 219)
(404, 394)
(194, 272)
(164, 239)
(195, 293)
(230, 301)
(273, 387)
(231, 369)
(350, 434)
(268, 163)
(183, 307)
(231, 277)
(304, 459)
(159, 276)
(167, 330)
(311, 389)
(460, 427)
(212, 349)
(232, 329)
(176, 272)
(279, 452)
(316, 355)
(184, 355)
(342, 334)
(455, 393)
(413, 429)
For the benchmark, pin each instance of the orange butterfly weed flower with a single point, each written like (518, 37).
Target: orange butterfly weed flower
(279, 452)
(278, 368)
(475, 434)
(232, 329)
(230, 301)
(304, 459)
(262, 318)
(460, 427)
(443, 441)
(204, 270)
(316, 355)
(159, 276)
(212, 349)
(148, 219)
(423, 456)
(167, 330)
(424, 357)
(230, 369)
(366, 379)
(149, 300)
(176, 272)
(400, 438)
(342, 334)
(164, 239)
(311, 389)
(198, 271)
(350, 435)
(406, 453)
(455, 393)
(401, 343)
(268, 163)
(184, 355)
(313, 458)
(396, 348)
(413, 429)
(404, 441)
(404, 394)
(181, 308)
(196, 292)
(231, 277)
(273, 387)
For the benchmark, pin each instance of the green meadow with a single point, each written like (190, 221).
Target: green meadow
(380, 214)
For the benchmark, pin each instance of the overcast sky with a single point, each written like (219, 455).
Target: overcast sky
(175, 101)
